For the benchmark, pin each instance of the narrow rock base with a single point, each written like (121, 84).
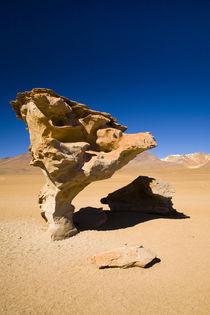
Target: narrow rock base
(62, 228)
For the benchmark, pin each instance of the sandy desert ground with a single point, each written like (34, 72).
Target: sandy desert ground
(43, 277)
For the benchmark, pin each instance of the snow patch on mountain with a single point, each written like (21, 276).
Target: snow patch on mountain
(191, 160)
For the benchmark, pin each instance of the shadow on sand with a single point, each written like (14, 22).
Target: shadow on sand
(123, 219)
(142, 200)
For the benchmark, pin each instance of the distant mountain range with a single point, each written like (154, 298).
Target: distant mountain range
(145, 160)
(148, 160)
(193, 160)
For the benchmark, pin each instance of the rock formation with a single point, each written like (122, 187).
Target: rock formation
(124, 257)
(74, 146)
(144, 194)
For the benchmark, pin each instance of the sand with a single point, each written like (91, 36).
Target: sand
(38, 276)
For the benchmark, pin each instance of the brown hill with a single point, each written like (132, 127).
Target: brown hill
(145, 160)
(148, 160)
(206, 165)
(17, 164)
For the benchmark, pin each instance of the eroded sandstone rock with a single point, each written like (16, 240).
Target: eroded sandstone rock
(124, 257)
(74, 146)
(144, 194)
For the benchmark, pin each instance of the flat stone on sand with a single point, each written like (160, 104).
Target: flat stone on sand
(124, 257)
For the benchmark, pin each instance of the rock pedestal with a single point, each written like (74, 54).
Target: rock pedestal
(74, 146)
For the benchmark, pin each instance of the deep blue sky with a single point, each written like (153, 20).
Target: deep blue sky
(146, 62)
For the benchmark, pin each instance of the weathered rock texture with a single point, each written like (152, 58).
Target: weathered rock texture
(74, 146)
(124, 257)
(144, 194)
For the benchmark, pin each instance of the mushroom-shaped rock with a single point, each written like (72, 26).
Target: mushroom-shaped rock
(74, 146)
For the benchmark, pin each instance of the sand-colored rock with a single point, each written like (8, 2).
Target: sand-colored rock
(74, 146)
(124, 257)
(144, 194)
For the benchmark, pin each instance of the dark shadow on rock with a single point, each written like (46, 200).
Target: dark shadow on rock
(144, 195)
(144, 199)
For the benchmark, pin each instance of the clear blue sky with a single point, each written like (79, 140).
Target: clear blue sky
(147, 62)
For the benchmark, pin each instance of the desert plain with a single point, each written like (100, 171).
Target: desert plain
(39, 276)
